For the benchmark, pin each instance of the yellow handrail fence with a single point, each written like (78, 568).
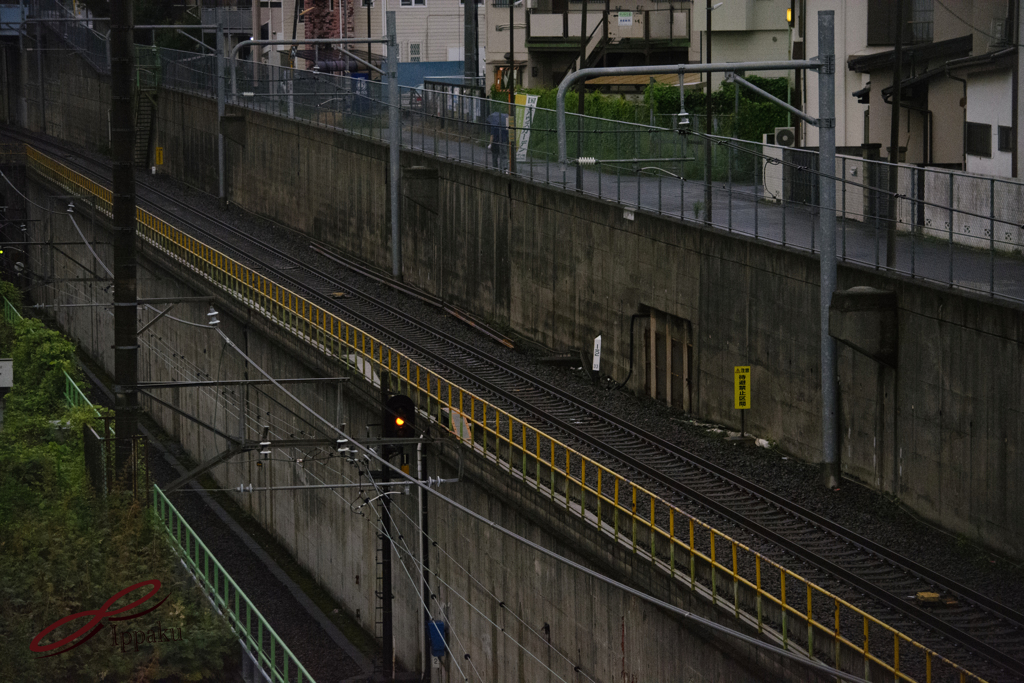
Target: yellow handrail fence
(796, 612)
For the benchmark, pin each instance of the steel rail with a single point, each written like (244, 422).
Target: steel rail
(797, 550)
(306, 286)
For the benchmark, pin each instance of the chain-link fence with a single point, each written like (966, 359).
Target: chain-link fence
(87, 36)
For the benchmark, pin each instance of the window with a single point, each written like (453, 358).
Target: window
(414, 3)
(1005, 142)
(917, 22)
(978, 139)
(479, 2)
(301, 11)
(414, 52)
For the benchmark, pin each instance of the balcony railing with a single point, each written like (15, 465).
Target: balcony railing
(642, 25)
(232, 18)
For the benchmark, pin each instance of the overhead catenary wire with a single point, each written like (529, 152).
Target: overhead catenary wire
(425, 603)
(687, 616)
(523, 647)
(22, 195)
(434, 572)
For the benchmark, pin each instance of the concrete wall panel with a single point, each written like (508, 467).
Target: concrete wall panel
(561, 268)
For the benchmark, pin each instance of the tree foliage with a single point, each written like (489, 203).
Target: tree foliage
(64, 551)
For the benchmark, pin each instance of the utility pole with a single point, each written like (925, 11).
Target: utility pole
(512, 83)
(581, 108)
(831, 469)
(707, 128)
(394, 142)
(122, 125)
(221, 182)
(471, 40)
(894, 139)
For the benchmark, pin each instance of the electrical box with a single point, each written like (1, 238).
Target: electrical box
(437, 630)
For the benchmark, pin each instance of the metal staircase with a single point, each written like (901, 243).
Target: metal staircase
(145, 112)
(147, 81)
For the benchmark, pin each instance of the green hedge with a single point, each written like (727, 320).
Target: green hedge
(621, 129)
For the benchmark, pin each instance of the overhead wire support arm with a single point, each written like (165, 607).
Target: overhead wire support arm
(736, 78)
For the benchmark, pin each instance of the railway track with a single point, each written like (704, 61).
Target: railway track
(980, 634)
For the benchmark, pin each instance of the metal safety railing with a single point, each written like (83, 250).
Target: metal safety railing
(929, 224)
(252, 628)
(797, 612)
(935, 221)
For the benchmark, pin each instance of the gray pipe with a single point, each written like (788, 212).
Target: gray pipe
(569, 80)
(394, 142)
(831, 470)
(772, 98)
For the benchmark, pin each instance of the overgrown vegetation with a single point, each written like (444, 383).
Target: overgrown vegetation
(64, 551)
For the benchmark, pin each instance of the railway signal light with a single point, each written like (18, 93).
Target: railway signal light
(399, 421)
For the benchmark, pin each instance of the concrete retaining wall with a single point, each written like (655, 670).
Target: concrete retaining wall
(942, 433)
(495, 593)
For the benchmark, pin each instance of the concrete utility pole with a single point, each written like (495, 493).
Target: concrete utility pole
(894, 139)
(122, 127)
(471, 41)
(831, 469)
(221, 183)
(394, 156)
(512, 83)
(707, 124)
(582, 105)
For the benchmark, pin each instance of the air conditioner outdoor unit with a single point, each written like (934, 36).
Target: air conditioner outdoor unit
(785, 137)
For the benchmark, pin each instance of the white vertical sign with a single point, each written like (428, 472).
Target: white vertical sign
(525, 109)
(597, 353)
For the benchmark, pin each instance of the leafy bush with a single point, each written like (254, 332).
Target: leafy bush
(621, 129)
(63, 551)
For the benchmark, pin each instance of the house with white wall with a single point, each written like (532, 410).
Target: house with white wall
(960, 83)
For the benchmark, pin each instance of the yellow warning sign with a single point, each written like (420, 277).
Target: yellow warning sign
(742, 375)
(158, 158)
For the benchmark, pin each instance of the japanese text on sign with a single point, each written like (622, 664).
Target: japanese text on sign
(742, 381)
